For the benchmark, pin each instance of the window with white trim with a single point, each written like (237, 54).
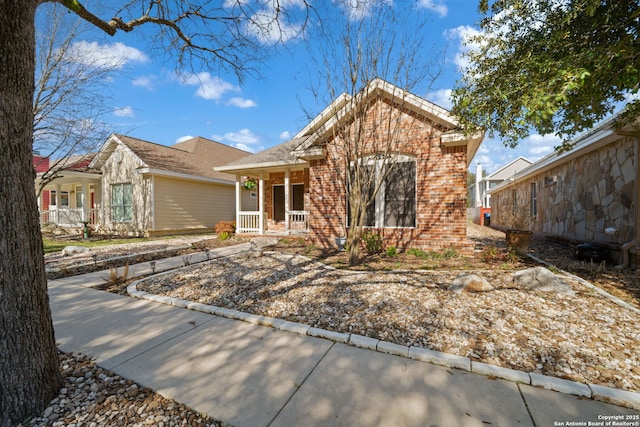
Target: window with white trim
(395, 204)
(121, 202)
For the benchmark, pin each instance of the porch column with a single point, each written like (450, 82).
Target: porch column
(57, 196)
(287, 197)
(238, 201)
(86, 201)
(261, 204)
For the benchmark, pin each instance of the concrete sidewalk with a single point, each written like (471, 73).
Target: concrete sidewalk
(252, 375)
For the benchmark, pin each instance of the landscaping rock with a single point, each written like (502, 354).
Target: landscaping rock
(470, 283)
(72, 250)
(540, 279)
(262, 242)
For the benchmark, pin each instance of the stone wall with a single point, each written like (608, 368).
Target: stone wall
(577, 199)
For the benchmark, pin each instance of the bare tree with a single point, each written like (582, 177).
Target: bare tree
(371, 40)
(71, 93)
(202, 34)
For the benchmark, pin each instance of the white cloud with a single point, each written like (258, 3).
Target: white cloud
(463, 33)
(439, 8)
(540, 145)
(209, 87)
(115, 55)
(270, 29)
(243, 136)
(144, 81)
(357, 10)
(285, 135)
(244, 147)
(123, 112)
(242, 102)
(442, 98)
(184, 138)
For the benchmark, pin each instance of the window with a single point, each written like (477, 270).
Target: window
(534, 200)
(121, 196)
(52, 198)
(395, 203)
(400, 195)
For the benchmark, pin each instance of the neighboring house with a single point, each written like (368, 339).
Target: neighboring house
(69, 198)
(479, 193)
(41, 165)
(134, 187)
(422, 203)
(587, 194)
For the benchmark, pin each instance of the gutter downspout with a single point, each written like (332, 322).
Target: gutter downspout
(626, 247)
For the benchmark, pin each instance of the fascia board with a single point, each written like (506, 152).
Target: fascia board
(177, 175)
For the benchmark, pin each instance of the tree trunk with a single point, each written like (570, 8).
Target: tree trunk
(29, 374)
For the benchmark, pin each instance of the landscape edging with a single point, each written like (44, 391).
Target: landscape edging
(606, 394)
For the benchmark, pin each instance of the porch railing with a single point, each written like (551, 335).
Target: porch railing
(67, 217)
(248, 222)
(298, 220)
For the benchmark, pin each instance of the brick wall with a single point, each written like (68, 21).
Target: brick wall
(441, 182)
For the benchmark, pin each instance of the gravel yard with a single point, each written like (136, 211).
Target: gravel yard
(582, 336)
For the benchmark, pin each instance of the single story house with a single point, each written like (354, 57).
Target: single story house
(135, 187)
(422, 202)
(587, 194)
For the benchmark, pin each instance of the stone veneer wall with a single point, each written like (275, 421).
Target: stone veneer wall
(578, 199)
(441, 186)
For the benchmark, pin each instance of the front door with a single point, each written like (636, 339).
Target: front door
(278, 200)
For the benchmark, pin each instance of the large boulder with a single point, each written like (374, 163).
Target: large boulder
(470, 283)
(540, 279)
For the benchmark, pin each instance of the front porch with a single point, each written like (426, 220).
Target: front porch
(68, 217)
(70, 200)
(296, 222)
(278, 206)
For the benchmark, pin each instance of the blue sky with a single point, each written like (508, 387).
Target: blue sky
(151, 102)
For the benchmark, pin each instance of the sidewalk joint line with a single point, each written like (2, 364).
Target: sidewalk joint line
(299, 386)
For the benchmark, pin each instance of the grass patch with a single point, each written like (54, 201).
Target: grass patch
(51, 245)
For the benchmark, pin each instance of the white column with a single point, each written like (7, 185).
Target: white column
(57, 196)
(478, 179)
(261, 204)
(287, 198)
(238, 201)
(86, 201)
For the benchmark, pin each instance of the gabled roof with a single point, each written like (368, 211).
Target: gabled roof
(304, 144)
(195, 157)
(274, 157)
(601, 135)
(340, 108)
(508, 170)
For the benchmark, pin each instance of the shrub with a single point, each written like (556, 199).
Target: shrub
(450, 253)
(418, 253)
(225, 229)
(491, 254)
(372, 242)
(392, 252)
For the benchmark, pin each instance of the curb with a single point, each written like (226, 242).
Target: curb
(618, 397)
